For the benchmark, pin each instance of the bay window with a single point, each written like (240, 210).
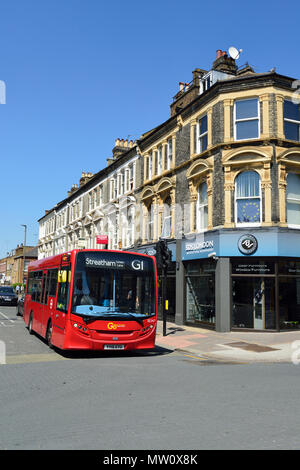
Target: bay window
(248, 198)
(246, 119)
(291, 120)
(293, 199)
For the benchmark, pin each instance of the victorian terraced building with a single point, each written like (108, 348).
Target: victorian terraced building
(220, 180)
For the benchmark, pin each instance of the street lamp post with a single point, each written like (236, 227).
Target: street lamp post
(25, 233)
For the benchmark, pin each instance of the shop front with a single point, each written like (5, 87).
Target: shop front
(240, 280)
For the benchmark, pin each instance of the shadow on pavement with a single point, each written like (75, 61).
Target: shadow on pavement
(158, 351)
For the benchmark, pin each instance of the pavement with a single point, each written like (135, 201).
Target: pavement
(240, 347)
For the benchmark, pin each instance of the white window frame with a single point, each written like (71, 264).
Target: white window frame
(169, 153)
(159, 160)
(166, 225)
(293, 201)
(256, 118)
(150, 167)
(201, 227)
(247, 224)
(200, 136)
(292, 121)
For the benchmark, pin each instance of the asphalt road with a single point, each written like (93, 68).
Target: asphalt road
(162, 400)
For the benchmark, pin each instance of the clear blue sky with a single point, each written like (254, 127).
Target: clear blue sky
(80, 73)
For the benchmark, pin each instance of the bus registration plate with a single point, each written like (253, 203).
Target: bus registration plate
(114, 346)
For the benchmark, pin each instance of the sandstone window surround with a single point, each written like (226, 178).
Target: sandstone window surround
(200, 173)
(158, 210)
(127, 221)
(247, 159)
(165, 190)
(246, 118)
(250, 115)
(288, 163)
(248, 198)
(160, 158)
(201, 133)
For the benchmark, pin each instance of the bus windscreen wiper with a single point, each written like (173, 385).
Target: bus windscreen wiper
(137, 319)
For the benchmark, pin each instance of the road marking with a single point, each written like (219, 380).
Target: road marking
(196, 357)
(33, 358)
(2, 323)
(6, 318)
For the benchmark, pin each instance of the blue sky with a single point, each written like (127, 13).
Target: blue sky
(81, 73)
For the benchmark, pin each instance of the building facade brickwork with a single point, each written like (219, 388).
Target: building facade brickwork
(224, 165)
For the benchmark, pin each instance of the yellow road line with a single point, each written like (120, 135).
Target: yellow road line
(31, 358)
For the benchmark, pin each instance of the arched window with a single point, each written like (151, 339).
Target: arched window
(166, 219)
(150, 222)
(128, 227)
(293, 199)
(202, 207)
(248, 198)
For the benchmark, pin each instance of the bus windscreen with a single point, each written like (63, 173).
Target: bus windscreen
(118, 285)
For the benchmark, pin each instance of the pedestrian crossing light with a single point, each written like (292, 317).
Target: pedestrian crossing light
(163, 254)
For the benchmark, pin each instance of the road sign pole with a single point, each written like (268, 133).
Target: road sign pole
(164, 291)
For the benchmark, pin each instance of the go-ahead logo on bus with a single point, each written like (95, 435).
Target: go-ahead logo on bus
(247, 244)
(114, 326)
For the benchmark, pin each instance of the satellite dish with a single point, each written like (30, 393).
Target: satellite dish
(234, 52)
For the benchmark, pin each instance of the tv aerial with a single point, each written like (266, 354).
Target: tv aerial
(234, 52)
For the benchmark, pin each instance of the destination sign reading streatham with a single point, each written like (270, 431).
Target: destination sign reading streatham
(110, 260)
(105, 263)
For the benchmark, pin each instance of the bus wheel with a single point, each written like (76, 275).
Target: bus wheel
(30, 324)
(49, 334)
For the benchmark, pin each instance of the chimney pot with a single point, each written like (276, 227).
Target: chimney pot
(219, 53)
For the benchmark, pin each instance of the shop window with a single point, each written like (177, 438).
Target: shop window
(291, 120)
(253, 303)
(293, 199)
(246, 117)
(200, 292)
(248, 198)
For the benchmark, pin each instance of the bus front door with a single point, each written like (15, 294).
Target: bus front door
(60, 313)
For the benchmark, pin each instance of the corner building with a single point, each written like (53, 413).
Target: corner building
(220, 180)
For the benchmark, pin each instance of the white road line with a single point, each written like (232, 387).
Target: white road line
(6, 318)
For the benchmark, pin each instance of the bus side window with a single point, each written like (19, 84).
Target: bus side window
(63, 290)
(53, 283)
(36, 286)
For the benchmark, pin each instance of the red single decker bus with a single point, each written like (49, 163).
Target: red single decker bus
(93, 300)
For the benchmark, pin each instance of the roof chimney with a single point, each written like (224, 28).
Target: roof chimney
(223, 63)
(85, 177)
(120, 147)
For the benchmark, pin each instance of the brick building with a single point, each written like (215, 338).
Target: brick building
(12, 267)
(220, 180)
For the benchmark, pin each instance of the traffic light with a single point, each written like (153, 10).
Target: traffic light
(163, 254)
